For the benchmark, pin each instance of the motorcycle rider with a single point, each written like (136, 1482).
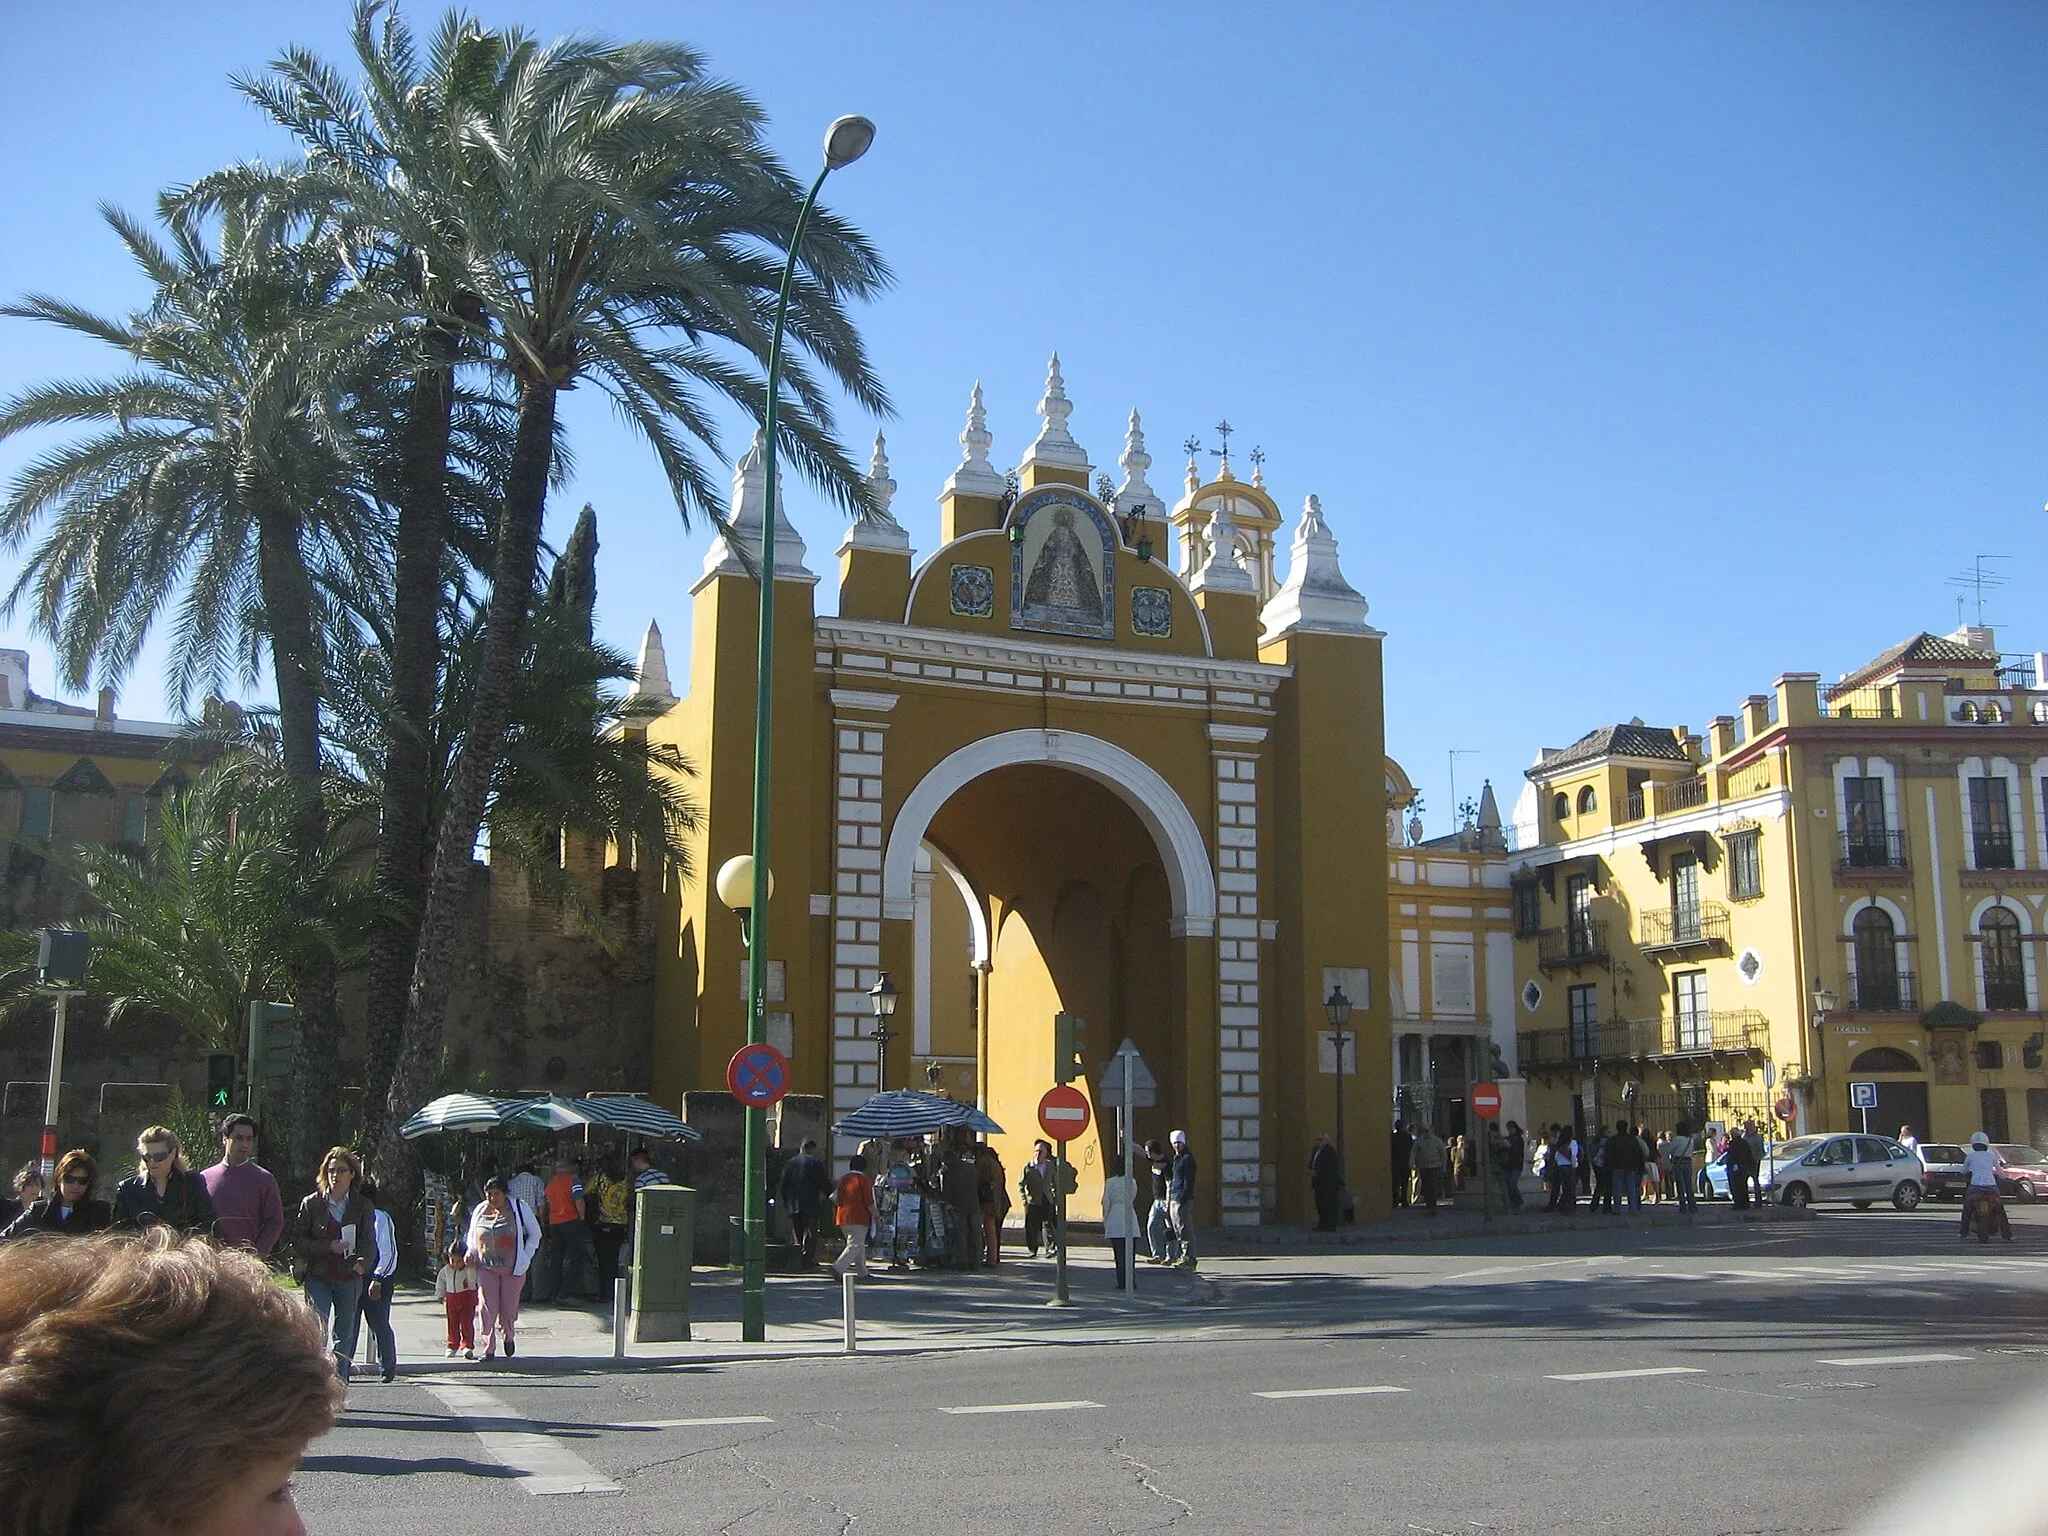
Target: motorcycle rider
(1983, 1164)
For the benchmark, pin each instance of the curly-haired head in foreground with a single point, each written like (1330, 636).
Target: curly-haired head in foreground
(153, 1387)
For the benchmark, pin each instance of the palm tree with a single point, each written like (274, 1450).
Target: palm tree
(218, 484)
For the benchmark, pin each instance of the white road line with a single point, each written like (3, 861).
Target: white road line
(539, 1463)
(736, 1418)
(1331, 1392)
(1079, 1402)
(1648, 1370)
(1511, 1269)
(1856, 1360)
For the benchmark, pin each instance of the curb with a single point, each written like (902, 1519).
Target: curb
(1241, 1242)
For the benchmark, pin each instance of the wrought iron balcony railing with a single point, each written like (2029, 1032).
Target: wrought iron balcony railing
(1993, 847)
(1684, 927)
(1875, 849)
(2005, 989)
(1582, 941)
(1720, 1030)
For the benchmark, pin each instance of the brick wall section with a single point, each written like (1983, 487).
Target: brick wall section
(856, 910)
(1237, 977)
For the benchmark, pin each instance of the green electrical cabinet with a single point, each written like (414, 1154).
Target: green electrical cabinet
(664, 1239)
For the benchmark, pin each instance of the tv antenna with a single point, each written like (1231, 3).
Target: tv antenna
(1974, 583)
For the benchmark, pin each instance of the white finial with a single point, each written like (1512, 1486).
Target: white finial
(975, 476)
(876, 527)
(1054, 444)
(1222, 571)
(737, 549)
(652, 667)
(1135, 497)
(1315, 595)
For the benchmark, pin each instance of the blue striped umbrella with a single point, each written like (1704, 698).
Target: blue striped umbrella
(460, 1112)
(907, 1112)
(636, 1116)
(550, 1112)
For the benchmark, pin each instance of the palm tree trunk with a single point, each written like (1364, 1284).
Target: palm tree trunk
(513, 565)
(296, 659)
(403, 824)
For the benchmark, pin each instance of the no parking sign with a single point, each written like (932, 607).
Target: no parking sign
(758, 1075)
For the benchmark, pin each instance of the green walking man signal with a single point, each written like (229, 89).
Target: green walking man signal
(1069, 1042)
(220, 1080)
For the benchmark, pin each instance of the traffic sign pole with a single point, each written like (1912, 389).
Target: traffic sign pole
(1130, 1120)
(1059, 1210)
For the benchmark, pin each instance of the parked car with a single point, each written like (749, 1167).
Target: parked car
(1713, 1174)
(2025, 1174)
(1859, 1169)
(1943, 1176)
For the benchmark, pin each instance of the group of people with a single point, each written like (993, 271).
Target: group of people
(1618, 1170)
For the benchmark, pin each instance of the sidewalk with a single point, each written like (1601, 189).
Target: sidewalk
(899, 1312)
(1451, 1224)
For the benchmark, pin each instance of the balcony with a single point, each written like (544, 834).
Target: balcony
(1632, 809)
(1885, 992)
(1722, 1032)
(1684, 795)
(1876, 849)
(1539, 1050)
(1583, 941)
(1992, 847)
(1697, 926)
(2005, 989)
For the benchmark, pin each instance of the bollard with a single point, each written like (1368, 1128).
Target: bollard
(622, 1291)
(846, 1310)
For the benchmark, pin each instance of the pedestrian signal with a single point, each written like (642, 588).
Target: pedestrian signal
(1069, 1043)
(220, 1080)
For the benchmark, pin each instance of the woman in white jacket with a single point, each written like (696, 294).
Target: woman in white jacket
(1119, 1218)
(503, 1236)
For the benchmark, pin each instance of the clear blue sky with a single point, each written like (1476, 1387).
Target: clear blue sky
(1638, 354)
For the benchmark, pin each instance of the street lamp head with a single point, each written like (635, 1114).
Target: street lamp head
(735, 883)
(1338, 1007)
(882, 996)
(1823, 1000)
(846, 141)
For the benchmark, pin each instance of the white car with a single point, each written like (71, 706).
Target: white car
(1859, 1169)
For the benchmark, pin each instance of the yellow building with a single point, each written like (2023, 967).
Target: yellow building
(1836, 886)
(1041, 770)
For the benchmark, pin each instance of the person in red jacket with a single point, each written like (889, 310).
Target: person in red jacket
(853, 1207)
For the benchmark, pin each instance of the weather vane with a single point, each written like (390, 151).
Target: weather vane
(1258, 457)
(1193, 449)
(1223, 430)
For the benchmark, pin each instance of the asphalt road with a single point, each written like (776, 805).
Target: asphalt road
(1784, 1377)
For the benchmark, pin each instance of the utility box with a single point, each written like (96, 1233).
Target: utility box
(664, 1243)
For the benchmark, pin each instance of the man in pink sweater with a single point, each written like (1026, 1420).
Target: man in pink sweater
(245, 1197)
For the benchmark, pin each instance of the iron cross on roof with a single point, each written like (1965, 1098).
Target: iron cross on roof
(1223, 430)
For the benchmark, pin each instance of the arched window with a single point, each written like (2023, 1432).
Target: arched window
(1588, 801)
(2005, 973)
(1877, 967)
(1560, 807)
(1884, 1058)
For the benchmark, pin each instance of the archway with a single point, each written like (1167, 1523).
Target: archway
(1080, 919)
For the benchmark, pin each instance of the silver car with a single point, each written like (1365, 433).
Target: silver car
(1859, 1169)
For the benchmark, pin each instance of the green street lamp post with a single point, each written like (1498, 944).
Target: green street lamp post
(845, 142)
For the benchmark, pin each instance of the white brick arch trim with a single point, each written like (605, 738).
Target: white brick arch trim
(2017, 908)
(1140, 786)
(1890, 909)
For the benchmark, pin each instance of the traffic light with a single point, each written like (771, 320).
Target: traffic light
(273, 1041)
(220, 1080)
(1069, 1042)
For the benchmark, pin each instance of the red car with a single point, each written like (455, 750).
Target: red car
(2025, 1174)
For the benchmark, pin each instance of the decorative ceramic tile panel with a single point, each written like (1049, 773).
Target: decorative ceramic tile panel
(1152, 612)
(974, 591)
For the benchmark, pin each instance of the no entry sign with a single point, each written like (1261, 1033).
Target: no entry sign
(1485, 1100)
(1063, 1113)
(758, 1075)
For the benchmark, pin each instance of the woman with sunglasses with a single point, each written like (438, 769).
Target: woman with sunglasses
(69, 1206)
(163, 1191)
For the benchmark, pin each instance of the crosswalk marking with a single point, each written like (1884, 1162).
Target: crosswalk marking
(1858, 1360)
(1647, 1370)
(538, 1463)
(732, 1418)
(1079, 1402)
(1330, 1392)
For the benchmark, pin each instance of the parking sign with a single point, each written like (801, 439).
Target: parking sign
(1863, 1095)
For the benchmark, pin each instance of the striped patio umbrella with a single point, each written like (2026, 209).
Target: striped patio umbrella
(907, 1112)
(550, 1112)
(459, 1112)
(635, 1116)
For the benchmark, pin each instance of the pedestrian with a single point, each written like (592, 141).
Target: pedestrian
(249, 1211)
(69, 1205)
(1907, 1139)
(1119, 1218)
(456, 1286)
(608, 1206)
(1037, 1184)
(567, 1263)
(162, 1189)
(334, 1247)
(1742, 1164)
(805, 1186)
(1326, 1183)
(1428, 1157)
(992, 1193)
(377, 1285)
(1603, 1182)
(960, 1185)
(503, 1238)
(1180, 1199)
(1624, 1169)
(853, 1209)
(1513, 1148)
(1565, 1152)
(640, 1164)
(1678, 1165)
(529, 1189)
(152, 1385)
(1158, 1223)
(28, 1189)
(1403, 1150)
